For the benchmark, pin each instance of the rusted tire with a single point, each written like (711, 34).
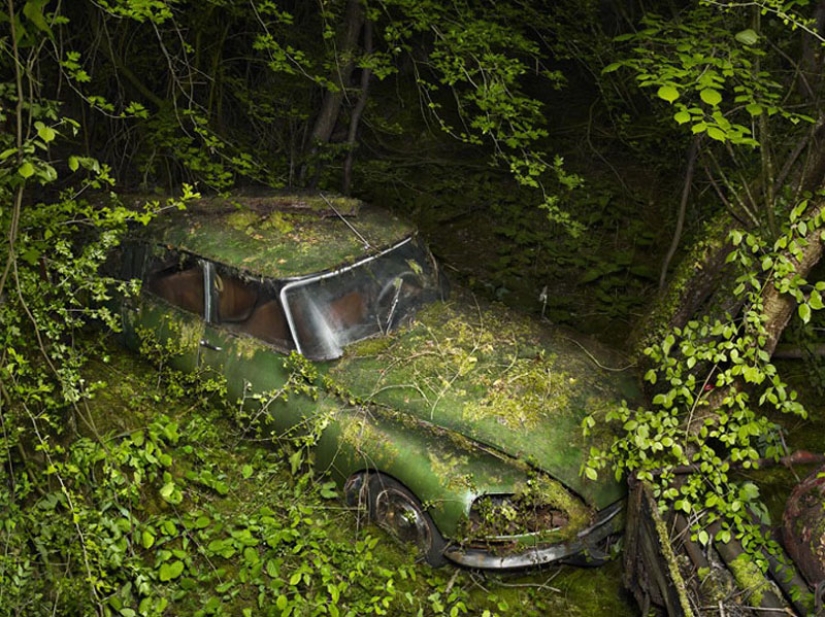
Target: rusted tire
(803, 526)
(393, 507)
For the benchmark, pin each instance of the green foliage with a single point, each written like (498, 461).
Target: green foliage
(222, 93)
(715, 76)
(482, 59)
(713, 81)
(714, 382)
(50, 291)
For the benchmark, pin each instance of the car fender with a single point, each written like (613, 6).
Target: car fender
(447, 472)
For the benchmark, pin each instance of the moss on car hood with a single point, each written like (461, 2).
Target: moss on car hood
(499, 378)
(280, 236)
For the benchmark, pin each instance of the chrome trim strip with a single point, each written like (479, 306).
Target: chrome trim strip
(208, 290)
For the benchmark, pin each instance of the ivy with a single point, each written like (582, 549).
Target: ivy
(714, 383)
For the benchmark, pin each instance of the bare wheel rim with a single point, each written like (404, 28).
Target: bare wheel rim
(403, 518)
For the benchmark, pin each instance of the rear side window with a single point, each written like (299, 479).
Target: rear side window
(252, 307)
(177, 278)
(237, 302)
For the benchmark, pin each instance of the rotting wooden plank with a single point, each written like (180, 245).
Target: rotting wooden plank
(651, 571)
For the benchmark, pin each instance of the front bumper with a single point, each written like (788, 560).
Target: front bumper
(586, 544)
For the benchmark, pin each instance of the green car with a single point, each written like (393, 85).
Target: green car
(456, 425)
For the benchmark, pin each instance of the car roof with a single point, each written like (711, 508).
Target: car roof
(279, 236)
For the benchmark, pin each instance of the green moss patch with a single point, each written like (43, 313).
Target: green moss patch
(495, 377)
(280, 236)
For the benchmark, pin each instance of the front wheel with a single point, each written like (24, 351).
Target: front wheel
(393, 507)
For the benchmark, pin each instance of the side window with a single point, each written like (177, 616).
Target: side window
(236, 298)
(178, 279)
(252, 307)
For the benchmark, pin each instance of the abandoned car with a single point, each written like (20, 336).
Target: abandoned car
(453, 424)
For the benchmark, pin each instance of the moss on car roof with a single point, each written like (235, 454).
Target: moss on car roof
(280, 236)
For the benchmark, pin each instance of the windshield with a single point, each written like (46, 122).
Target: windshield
(331, 310)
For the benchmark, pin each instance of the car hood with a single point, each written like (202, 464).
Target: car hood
(501, 379)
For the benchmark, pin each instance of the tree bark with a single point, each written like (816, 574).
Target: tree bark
(355, 118)
(778, 307)
(340, 78)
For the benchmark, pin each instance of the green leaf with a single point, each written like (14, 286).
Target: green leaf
(749, 491)
(747, 37)
(752, 374)
(668, 93)
(754, 109)
(714, 132)
(33, 10)
(804, 311)
(711, 96)
(295, 461)
(46, 133)
(328, 490)
(251, 556)
(147, 539)
(816, 300)
(682, 117)
(171, 493)
(202, 522)
(26, 170)
(170, 570)
(31, 256)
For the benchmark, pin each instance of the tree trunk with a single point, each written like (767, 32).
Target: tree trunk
(699, 286)
(778, 308)
(344, 65)
(355, 119)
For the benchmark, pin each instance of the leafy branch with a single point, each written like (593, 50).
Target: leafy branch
(714, 382)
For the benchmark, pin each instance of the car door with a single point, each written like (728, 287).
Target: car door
(247, 339)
